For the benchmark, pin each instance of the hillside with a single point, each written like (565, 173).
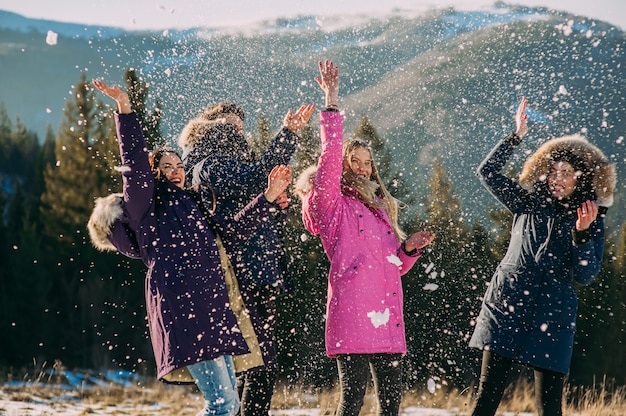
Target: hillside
(444, 85)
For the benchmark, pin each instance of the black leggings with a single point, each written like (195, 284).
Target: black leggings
(255, 391)
(354, 372)
(493, 380)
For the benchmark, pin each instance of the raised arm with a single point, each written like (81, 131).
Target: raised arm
(503, 188)
(327, 182)
(137, 176)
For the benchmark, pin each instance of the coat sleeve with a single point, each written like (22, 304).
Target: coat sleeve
(327, 182)
(137, 177)
(232, 179)
(504, 189)
(408, 260)
(243, 224)
(587, 254)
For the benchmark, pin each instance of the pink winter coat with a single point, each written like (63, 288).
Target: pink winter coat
(364, 305)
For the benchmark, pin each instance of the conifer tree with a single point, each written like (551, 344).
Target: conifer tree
(261, 137)
(6, 127)
(74, 181)
(138, 93)
(442, 289)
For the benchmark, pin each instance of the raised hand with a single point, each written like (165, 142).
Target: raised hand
(587, 214)
(283, 200)
(329, 82)
(277, 181)
(295, 122)
(419, 240)
(521, 119)
(120, 96)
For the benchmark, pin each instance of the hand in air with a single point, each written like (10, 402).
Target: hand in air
(329, 82)
(295, 122)
(277, 181)
(521, 119)
(419, 240)
(283, 200)
(120, 96)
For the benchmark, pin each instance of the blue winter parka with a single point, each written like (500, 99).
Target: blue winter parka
(528, 312)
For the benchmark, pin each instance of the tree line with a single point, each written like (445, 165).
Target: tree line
(63, 302)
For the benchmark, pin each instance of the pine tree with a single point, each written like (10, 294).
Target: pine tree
(138, 93)
(261, 137)
(443, 289)
(74, 181)
(6, 127)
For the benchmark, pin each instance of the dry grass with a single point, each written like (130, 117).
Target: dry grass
(154, 398)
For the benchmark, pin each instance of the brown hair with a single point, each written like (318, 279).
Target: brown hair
(221, 108)
(154, 158)
(371, 192)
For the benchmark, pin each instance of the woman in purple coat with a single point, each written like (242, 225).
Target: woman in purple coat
(347, 204)
(193, 330)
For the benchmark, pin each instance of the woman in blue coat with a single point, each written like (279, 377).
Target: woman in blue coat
(193, 330)
(528, 314)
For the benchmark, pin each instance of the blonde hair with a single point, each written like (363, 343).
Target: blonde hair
(372, 191)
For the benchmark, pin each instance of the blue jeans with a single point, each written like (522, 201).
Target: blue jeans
(217, 383)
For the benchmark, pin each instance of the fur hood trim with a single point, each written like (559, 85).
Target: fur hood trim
(304, 188)
(107, 210)
(195, 130)
(304, 184)
(538, 166)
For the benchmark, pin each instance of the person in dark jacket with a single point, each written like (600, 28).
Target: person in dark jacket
(193, 330)
(215, 151)
(528, 314)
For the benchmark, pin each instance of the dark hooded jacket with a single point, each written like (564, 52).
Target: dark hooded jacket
(217, 154)
(529, 309)
(186, 295)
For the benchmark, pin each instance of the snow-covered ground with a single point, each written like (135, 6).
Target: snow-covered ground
(81, 394)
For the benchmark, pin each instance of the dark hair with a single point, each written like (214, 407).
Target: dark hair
(154, 158)
(223, 107)
(584, 176)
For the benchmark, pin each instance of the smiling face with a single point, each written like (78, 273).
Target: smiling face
(562, 180)
(360, 162)
(172, 167)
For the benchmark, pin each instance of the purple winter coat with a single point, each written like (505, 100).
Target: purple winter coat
(186, 296)
(365, 302)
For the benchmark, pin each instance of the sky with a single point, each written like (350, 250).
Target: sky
(180, 14)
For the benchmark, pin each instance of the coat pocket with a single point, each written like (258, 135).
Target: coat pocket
(348, 270)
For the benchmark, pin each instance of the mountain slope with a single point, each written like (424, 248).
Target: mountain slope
(443, 85)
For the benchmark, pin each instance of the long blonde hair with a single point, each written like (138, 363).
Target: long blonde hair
(371, 191)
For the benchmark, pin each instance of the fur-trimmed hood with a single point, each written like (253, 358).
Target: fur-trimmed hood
(303, 188)
(106, 212)
(603, 177)
(105, 227)
(214, 138)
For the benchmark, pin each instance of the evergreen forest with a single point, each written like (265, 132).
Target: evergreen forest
(64, 303)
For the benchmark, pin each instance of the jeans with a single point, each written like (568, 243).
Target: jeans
(216, 381)
(256, 389)
(493, 380)
(354, 372)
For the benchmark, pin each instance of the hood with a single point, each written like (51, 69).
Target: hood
(602, 173)
(202, 138)
(107, 230)
(107, 211)
(304, 188)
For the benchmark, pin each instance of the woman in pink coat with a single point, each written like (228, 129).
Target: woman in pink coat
(345, 202)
